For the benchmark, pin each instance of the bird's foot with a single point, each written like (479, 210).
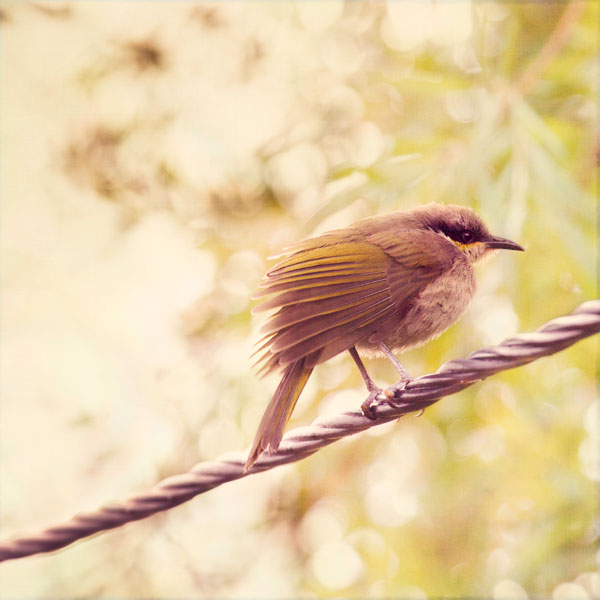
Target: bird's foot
(375, 397)
(394, 392)
(391, 395)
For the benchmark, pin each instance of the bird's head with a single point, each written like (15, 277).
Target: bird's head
(461, 226)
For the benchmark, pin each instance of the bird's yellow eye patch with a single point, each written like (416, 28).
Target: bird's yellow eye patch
(464, 246)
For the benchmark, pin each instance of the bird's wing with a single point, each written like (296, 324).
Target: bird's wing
(334, 291)
(419, 258)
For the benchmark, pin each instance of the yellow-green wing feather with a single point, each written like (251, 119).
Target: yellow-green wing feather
(335, 290)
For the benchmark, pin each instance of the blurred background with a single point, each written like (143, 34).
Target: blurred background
(153, 155)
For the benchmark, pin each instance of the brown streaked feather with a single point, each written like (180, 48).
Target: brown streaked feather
(262, 344)
(318, 293)
(301, 284)
(309, 273)
(293, 314)
(267, 364)
(313, 327)
(305, 271)
(335, 291)
(312, 263)
(335, 340)
(319, 253)
(366, 260)
(324, 276)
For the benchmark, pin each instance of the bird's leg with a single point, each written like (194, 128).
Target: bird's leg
(390, 392)
(375, 392)
(404, 376)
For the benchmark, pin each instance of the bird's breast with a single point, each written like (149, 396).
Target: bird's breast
(431, 312)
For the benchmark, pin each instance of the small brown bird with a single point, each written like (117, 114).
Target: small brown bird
(382, 285)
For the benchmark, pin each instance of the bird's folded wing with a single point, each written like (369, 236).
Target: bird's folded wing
(332, 292)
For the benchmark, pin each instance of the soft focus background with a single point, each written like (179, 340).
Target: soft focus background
(154, 155)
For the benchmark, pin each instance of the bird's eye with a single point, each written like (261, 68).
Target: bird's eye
(466, 237)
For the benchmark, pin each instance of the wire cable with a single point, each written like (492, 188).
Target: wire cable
(418, 394)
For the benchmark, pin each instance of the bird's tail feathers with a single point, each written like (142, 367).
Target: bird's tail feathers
(270, 430)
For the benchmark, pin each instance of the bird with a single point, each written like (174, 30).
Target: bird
(381, 286)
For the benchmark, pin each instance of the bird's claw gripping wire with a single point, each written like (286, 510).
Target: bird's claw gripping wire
(390, 395)
(394, 392)
(368, 407)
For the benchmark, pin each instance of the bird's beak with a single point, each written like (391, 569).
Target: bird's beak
(499, 242)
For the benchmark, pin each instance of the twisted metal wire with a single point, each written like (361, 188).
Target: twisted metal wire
(303, 441)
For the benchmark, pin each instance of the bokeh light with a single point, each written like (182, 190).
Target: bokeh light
(154, 155)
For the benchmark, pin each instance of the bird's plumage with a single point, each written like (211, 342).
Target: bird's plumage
(390, 279)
